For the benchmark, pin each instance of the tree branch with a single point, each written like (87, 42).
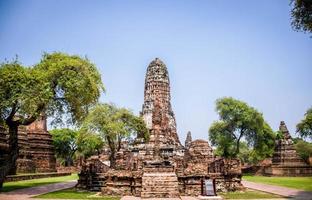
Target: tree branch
(238, 140)
(12, 114)
(32, 118)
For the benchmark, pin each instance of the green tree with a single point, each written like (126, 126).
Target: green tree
(304, 149)
(89, 144)
(114, 125)
(304, 128)
(69, 144)
(65, 144)
(245, 153)
(239, 122)
(301, 14)
(58, 84)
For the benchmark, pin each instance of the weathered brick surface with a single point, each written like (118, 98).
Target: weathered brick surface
(286, 161)
(36, 151)
(159, 184)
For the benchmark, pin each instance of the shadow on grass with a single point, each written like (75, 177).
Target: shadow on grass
(10, 186)
(73, 193)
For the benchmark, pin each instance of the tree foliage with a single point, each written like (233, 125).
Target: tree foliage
(301, 14)
(304, 128)
(89, 144)
(114, 125)
(240, 122)
(65, 144)
(303, 148)
(70, 144)
(59, 84)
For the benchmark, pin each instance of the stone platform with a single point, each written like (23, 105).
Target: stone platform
(288, 171)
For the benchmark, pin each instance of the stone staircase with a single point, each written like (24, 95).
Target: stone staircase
(159, 185)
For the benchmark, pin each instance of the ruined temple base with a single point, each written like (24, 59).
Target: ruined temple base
(25, 166)
(160, 185)
(288, 171)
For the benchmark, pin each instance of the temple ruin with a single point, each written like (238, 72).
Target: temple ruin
(286, 161)
(161, 167)
(36, 151)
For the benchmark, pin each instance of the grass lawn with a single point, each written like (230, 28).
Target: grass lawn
(74, 194)
(302, 183)
(9, 186)
(248, 194)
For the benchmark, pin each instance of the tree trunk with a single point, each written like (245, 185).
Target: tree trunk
(112, 156)
(112, 159)
(237, 146)
(10, 161)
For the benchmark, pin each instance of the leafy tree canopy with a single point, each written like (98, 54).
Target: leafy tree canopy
(304, 128)
(59, 84)
(239, 122)
(301, 14)
(303, 148)
(70, 144)
(115, 125)
(89, 144)
(65, 144)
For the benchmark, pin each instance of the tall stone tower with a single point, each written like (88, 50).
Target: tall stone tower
(156, 111)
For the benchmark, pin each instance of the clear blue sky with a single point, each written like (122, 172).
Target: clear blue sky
(244, 49)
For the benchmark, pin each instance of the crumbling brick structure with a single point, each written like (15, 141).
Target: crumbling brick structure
(286, 161)
(162, 167)
(36, 151)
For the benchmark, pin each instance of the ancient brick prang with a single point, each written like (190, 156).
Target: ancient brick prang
(161, 167)
(41, 147)
(36, 151)
(286, 161)
(156, 110)
(24, 163)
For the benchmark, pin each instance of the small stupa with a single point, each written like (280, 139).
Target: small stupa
(286, 161)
